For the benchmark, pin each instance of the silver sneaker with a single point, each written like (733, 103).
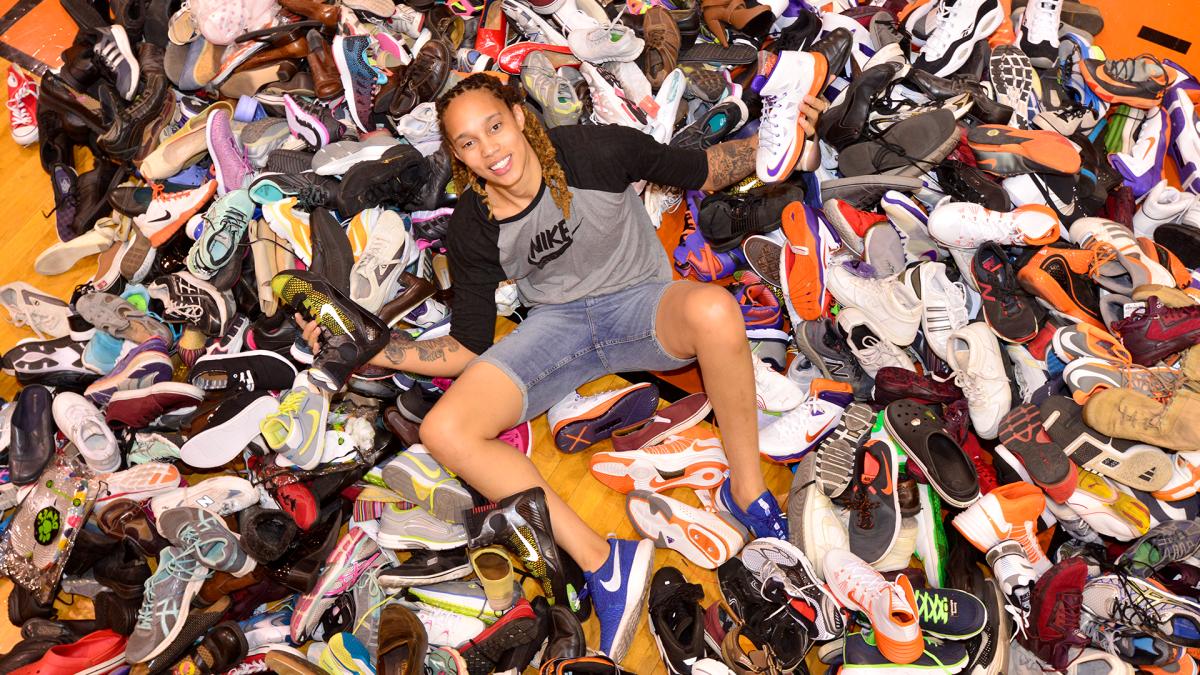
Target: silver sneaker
(168, 597)
(414, 528)
(216, 546)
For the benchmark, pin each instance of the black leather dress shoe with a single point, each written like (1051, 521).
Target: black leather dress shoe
(32, 442)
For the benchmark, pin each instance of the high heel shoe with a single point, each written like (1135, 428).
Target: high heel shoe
(754, 20)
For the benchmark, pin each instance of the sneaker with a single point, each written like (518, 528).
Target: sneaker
(145, 365)
(404, 529)
(291, 225)
(863, 652)
(1135, 416)
(927, 445)
(1085, 377)
(1010, 312)
(1007, 512)
(796, 432)
(891, 606)
(1138, 465)
(802, 267)
(1081, 341)
(874, 502)
(559, 103)
(1038, 36)
(835, 456)
(695, 460)
(1144, 606)
(676, 620)
(793, 76)
(149, 447)
(336, 158)
(168, 598)
(1185, 136)
(223, 495)
(312, 122)
(56, 362)
(1060, 278)
(1141, 165)
(673, 420)
(138, 483)
(375, 277)
(233, 170)
(358, 76)
(446, 628)
(250, 370)
(168, 211)
(113, 48)
(981, 370)
(487, 651)
(1109, 238)
(814, 526)
(1108, 510)
(467, 598)
(229, 430)
(618, 589)
(1139, 82)
(705, 538)
(764, 517)
(1165, 544)
(776, 563)
(221, 241)
(216, 546)
(22, 106)
(775, 393)
(1154, 332)
(195, 302)
(863, 337)
(578, 422)
(426, 567)
(1022, 433)
(417, 477)
(84, 426)
(295, 427)
(894, 307)
(943, 303)
(351, 336)
(968, 226)
(959, 27)
(354, 555)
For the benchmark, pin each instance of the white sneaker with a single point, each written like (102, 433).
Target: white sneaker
(1038, 34)
(416, 528)
(968, 225)
(222, 495)
(894, 307)
(974, 355)
(1130, 258)
(1142, 164)
(1185, 143)
(635, 84)
(531, 24)
(447, 629)
(911, 221)
(420, 128)
(84, 426)
(872, 351)
(375, 278)
(944, 303)
(601, 44)
(775, 393)
(781, 140)
(1164, 204)
(668, 98)
(407, 21)
(610, 105)
(1108, 509)
(960, 25)
(821, 530)
(578, 421)
(802, 429)
(27, 306)
(138, 483)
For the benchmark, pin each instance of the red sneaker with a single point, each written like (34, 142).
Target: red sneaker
(1155, 332)
(97, 652)
(22, 105)
(851, 224)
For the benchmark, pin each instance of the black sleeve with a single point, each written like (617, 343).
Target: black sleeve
(474, 257)
(610, 157)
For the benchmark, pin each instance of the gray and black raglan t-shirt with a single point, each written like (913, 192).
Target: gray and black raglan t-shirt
(607, 244)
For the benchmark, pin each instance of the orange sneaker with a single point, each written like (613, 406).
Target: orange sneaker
(1004, 35)
(802, 265)
(891, 607)
(1062, 279)
(694, 459)
(1008, 151)
(1007, 512)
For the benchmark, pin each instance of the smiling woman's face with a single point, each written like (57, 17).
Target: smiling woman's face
(486, 135)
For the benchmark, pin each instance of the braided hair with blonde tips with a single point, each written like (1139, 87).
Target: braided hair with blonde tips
(534, 133)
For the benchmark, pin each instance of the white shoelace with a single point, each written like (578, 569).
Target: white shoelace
(952, 24)
(772, 131)
(21, 115)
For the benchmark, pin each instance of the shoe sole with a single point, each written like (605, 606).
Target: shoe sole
(667, 523)
(396, 583)
(835, 460)
(407, 542)
(1010, 66)
(579, 434)
(1045, 461)
(219, 444)
(304, 125)
(447, 505)
(625, 474)
(483, 657)
(1148, 470)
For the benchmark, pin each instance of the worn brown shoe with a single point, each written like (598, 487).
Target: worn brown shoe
(222, 584)
(295, 48)
(315, 10)
(910, 497)
(124, 519)
(286, 663)
(662, 44)
(422, 80)
(414, 291)
(1124, 413)
(327, 83)
(402, 642)
(1171, 297)
(402, 427)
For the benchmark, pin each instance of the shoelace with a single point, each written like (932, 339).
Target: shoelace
(864, 508)
(771, 131)
(16, 105)
(181, 567)
(952, 22)
(1126, 70)
(1042, 22)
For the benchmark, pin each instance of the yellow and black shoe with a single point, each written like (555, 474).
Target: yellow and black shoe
(350, 336)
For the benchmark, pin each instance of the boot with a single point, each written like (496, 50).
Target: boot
(755, 20)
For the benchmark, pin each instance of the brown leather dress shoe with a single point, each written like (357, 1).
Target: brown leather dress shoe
(402, 642)
(415, 290)
(315, 10)
(326, 81)
(125, 519)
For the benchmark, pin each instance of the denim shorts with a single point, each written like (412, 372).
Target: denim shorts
(560, 347)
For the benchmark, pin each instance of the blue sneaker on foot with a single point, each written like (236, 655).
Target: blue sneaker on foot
(764, 519)
(618, 590)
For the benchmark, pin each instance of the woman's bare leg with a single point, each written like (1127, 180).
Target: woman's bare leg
(461, 433)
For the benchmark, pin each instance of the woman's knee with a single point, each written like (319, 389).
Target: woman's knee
(443, 432)
(712, 310)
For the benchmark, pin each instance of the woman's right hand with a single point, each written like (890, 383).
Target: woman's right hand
(310, 331)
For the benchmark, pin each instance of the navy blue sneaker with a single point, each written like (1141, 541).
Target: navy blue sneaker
(618, 591)
(764, 518)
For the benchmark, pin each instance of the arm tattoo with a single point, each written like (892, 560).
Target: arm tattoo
(729, 162)
(401, 345)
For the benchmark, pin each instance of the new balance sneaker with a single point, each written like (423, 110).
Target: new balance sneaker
(891, 606)
(168, 598)
(223, 495)
(578, 422)
(694, 460)
(618, 589)
(707, 539)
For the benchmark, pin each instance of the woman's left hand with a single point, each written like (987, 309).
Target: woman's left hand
(811, 107)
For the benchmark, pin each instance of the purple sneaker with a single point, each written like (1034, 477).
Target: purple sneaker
(311, 122)
(66, 201)
(694, 257)
(1142, 166)
(232, 167)
(144, 365)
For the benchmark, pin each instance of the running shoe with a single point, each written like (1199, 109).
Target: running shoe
(695, 460)
(705, 538)
(421, 480)
(578, 422)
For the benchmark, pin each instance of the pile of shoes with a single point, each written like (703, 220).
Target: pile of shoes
(967, 283)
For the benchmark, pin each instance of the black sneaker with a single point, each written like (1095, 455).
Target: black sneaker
(677, 620)
(521, 523)
(289, 161)
(725, 219)
(243, 371)
(309, 189)
(397, 178)
(966, 183)
(113, 52)
(416, 403)
(349, 335)
(427, 567)
(1011, 312)
(485, 653)
(949, 614)
(332, 256)
(124, 136)
(54, 363)
(274, 333)
(188, 300)
(64, 180)
(861, 651)
(721, 120)
(874, 501)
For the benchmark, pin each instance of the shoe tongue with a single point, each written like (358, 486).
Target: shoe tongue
(842, 399)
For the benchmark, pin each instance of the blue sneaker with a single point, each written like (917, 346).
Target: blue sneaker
(764, 519)
(345, 655)
(267, 629)
(618, 590)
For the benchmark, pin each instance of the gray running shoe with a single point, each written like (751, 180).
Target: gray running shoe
(336, 158)
(404, 529)
(418, 477)
(820, 342)
(297, 430)
(260, 137)
(836, 454)
(556, 97)
(168, 596)
(1165, 543)
(114, 315)
(368, 602)
(462, 597)
(216, 546)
